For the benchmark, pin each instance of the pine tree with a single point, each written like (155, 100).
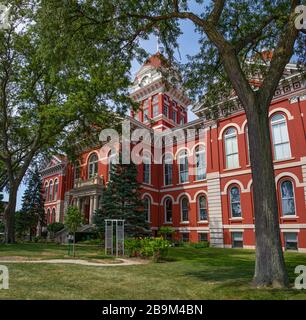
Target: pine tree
(32, 213)
(121, 200)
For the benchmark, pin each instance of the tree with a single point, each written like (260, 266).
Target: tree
(230, 33)
(25, 223)
(121, 200)
(73, 221)
(33, 202)
(45, 96)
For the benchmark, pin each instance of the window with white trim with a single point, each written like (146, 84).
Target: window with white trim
(146, 169)
(93, 166)
(77, 171)
(202, 205)
(184, 209)
(166, 111)
(168, 210)
(46, 190)
(48, 216)
(146, 115)
(174, 116)
(183, 166)
(287, 195)
(291, 241)
(147, 208)
(280, 137)
(200, 163)
(168, 169)
(235, 204)
(50, 190)
(237, 239)
(53, 216)
(55, 189)
(202, 237)
(231, 148)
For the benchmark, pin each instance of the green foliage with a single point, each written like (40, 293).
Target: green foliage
(25, 223)
(200, 245)
(55, 227)
(121, 200)
(166, 231)
(73, 219)
(156, 248)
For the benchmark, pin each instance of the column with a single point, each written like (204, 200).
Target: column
(91, 208)
(95, 202)
(78, 203)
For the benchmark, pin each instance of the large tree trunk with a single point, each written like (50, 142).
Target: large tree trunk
(270, 267)
(9, 216)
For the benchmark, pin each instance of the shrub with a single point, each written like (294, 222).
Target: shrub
(157, 248)
(55, 227)
(200, 245)
(166, 231)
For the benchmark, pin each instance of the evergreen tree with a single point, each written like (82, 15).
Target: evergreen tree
(32, 215)
(121, 200)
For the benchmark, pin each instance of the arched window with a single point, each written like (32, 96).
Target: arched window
(184, 209)
(53, 215)
(231, 148)
(247, 144)
(168, 210)
(93, 166)
(200, 163)
(146, 169)
(50, 190)
(55, 189)
(183, 166)
(46, 190)
(112, 159)
(202, 207)
(287, 194)
(77, 170)
(48, 216)
(168, 163)
(147, 208)
(235, 202)
(280, 137)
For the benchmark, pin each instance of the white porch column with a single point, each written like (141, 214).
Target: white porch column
(91, 208)
(78, 203)
(95, 203)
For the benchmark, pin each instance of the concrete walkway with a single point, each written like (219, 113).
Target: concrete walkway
(121, 262)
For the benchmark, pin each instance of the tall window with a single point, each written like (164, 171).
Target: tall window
(287, 194)
(235, 202)
(93, 166)
(247, 143)
(202, 203)
(55, 189)
(168, 210)
(46, 190)
(280, 137)
(50, 190)
(146, 169)
(183, 166)
(53, 216)
(111, 162)
(155, 106)
(182, 121)
(77, 171)
(168, 169)
(48, 216)
(184, 209)
(145, 114)
(147, 208)
(166, 111)
(200, 163)
(174, 116)
(231, 148)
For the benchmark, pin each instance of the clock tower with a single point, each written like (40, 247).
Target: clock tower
(163, 104)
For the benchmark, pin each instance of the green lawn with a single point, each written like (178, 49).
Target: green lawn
(189, 274)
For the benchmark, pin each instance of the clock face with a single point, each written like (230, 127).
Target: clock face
(144, 81)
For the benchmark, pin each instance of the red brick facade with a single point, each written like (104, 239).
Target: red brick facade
(215, 202)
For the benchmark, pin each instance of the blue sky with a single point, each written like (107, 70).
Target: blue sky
(188, 43)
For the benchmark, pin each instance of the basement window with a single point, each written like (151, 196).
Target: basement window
(291, 242)
(237, 240)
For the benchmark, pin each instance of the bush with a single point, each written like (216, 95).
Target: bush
(157, 248)
(166, 232)
(200, 245)
(55, 227)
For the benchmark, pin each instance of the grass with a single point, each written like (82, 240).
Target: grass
(188, 273)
